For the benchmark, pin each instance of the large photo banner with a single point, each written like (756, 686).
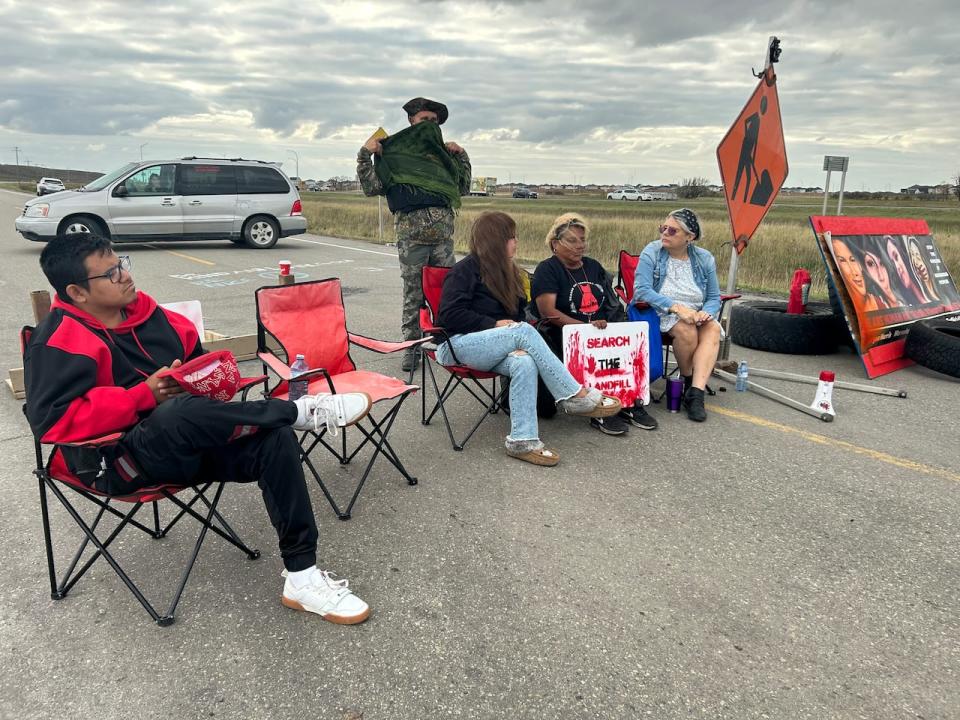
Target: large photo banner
(888, 273)
(615, 360)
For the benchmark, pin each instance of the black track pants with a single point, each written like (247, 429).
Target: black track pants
(195, 438)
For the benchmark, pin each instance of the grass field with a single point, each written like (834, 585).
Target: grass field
(783, 243)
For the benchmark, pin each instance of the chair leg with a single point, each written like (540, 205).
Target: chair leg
(48, 543)
(168, 618)
(441, 398)
(102, 550)
(377, 436)
(71, 577)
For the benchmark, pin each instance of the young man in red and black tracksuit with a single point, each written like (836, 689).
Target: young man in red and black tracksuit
(93, 368)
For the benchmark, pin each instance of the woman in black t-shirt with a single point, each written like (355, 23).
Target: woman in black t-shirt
(570, 288)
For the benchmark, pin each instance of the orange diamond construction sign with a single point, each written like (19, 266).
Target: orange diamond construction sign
(753, 160)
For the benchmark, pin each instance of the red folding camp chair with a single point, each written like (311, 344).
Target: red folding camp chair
(53, 476)
(309, 318)
(461, 376)
(626, 274)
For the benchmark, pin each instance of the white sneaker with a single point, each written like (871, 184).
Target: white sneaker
(335, 411)
(328, 597)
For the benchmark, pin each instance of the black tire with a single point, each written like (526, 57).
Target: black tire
(766, 325)
(261, 232)
(83, 224)
(935, 344)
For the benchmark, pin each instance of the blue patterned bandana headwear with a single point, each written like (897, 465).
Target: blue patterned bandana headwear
(688, 218)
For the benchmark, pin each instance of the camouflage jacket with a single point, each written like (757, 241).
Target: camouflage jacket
(371, 183)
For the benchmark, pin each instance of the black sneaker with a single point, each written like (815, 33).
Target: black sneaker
(693, 402)
(612, 425)
(639, 417)
(411, 358)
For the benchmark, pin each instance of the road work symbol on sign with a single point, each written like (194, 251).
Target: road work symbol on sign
(753, 160)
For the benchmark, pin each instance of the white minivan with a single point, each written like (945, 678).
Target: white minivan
(244, 201)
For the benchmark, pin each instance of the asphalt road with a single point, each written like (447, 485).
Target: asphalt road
(760, 565)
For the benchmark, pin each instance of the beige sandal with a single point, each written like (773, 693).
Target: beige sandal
(606, 406)
(543, 457)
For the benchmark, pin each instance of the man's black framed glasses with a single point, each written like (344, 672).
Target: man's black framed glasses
(114, 274)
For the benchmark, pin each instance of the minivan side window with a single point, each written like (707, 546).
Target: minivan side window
(207, 180)
(153, 180)
(260, 180)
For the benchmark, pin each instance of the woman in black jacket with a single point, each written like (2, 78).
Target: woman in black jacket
(482, 312)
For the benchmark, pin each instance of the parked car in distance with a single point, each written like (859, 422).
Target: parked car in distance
(527, 193)
(628, 194)
(243, 201)
(49, 185)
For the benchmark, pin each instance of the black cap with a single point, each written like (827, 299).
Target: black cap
(419, 104)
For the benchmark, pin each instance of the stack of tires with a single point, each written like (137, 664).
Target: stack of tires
(766, 325)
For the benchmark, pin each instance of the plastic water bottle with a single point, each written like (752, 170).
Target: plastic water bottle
(298, 388)
(742, 376)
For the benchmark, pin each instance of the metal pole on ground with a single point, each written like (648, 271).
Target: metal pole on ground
(770, 394)
(793, 377)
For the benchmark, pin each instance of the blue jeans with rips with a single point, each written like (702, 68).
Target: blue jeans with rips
(495, 350)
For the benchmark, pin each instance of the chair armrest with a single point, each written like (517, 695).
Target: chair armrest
(385, 346)
(282, 370)
(640, 305)
(724, 298)
(110, 439)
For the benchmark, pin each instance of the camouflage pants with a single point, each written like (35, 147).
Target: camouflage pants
(424, 237)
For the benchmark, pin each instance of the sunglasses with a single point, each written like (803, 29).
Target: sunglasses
(113, 274)
(668, 230)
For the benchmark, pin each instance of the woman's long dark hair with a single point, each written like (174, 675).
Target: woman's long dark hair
(488, 243)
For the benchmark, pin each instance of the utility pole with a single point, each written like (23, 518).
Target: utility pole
(297, 159)
(141, 150)
(17, 151)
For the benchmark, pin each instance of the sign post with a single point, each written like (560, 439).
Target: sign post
(831, 163)
(753, 162)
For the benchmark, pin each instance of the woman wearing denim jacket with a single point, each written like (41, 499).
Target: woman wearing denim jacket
(679, 280)
(482, 313)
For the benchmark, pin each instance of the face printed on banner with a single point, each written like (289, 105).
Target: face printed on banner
(878, 273)
(916, 259)
(893, 252)
(849, 266)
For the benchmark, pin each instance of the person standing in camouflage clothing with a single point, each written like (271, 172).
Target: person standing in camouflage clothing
(423, 220)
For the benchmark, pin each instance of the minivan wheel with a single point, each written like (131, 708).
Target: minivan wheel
(83, 224)
(261, 232)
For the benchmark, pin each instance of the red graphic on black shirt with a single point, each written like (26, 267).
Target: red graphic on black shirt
(588, 302)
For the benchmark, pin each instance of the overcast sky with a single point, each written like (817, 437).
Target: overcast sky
(558, 91)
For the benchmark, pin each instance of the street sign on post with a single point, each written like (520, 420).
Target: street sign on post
(753, 160)
(831, 163)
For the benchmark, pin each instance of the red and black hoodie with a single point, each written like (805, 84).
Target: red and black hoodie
(84, 380)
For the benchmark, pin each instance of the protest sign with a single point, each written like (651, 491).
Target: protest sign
(614, 360)
(888, 273)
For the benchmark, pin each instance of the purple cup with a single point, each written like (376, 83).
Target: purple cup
(674, 394)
